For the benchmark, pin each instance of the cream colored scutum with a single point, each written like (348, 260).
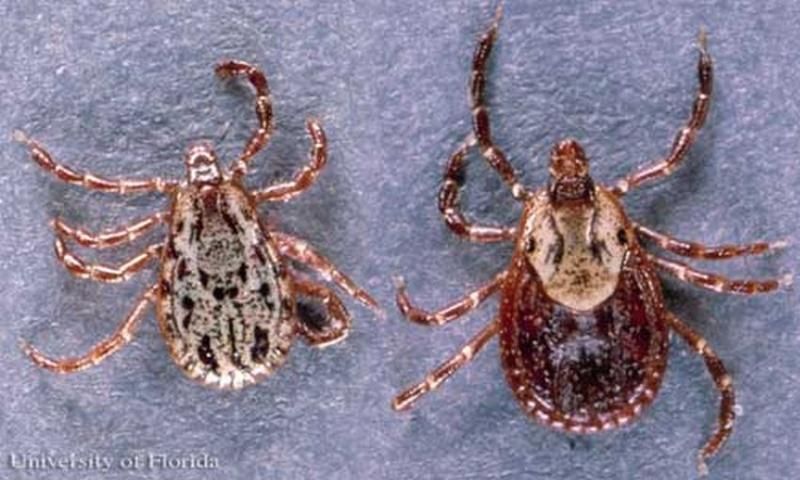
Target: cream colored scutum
(580, 279)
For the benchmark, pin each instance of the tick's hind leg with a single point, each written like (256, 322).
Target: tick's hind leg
(450, 312)
(104, 273)
(723, 382)
(686, 136)
(451, 210)
(480, 113)
(122, 336)
(305, 177)
(260, 138)
(335, 324)
(88, 180)
(697, 250)
(715, 282)
(110, 238)
(444, 371)
(300, 251)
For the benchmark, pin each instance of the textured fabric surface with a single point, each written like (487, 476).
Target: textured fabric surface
(120, 88)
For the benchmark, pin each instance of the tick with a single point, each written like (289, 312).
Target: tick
(226, 296)
(582, 325)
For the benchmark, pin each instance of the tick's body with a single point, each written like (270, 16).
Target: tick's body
(589, 368)
(226, 296)
(582, 325)
(228, 318)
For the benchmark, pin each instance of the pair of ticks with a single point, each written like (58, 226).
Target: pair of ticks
(582, 325)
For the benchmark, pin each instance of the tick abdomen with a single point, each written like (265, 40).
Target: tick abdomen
(583, 371)
(228, 319)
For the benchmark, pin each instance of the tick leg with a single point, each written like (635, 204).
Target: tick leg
(103, 349)
(723, 382)
(480, 113)
(301, 251)
(104, 273)
(110, 238)
(88, 180)
(686, 136)
(305, 177)
(450, 312)
(451, 209)
(405, 399)
(337, 324)
(715, 282)
(259, 138)
(697, 250)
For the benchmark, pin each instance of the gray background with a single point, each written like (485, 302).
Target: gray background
(121, 89)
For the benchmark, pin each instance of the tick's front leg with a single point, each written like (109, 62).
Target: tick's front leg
(88, 180)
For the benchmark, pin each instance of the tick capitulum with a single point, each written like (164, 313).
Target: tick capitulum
(226, 295)
(582, 324)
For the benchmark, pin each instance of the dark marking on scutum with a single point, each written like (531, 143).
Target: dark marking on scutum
(622, 236)
(205, 353)
(233, 292)
(242, 272)
(219, 293)
(530, 245)
(197, 226)
(171, 252)
(179, 227)
(260, 348)
(187, 320)
(181, 269)
(165, 287)
(229, 220)
(187, 302)
(555, 251)
(260, 255)
(203, 277)
(265, 290)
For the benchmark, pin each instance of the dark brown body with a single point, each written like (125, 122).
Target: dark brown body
(583, 371)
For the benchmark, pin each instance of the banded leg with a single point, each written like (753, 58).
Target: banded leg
(337, 324)
(718, 283)
(111, 238)
(480, 113)
(451, 209)
(724, 384)
(121, 337)
(450, 312)
(686, 136)
(104, 273)
(88, 180)
(444, 371)
(301, 251)
(697, 250)
(259, 138)
(305, 177)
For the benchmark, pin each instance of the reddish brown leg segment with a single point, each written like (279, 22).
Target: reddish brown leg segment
(88, 180)
(301, 251)
(104, 273)
(98, 353)
(450, 312)
(723, 382)
(305, 177)
(260, 137)
(451, 210)
(697, 250)
(110, 238)
(480, 113)
(444, 371)
(686, 136)
(338, 320)
(717, 283)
